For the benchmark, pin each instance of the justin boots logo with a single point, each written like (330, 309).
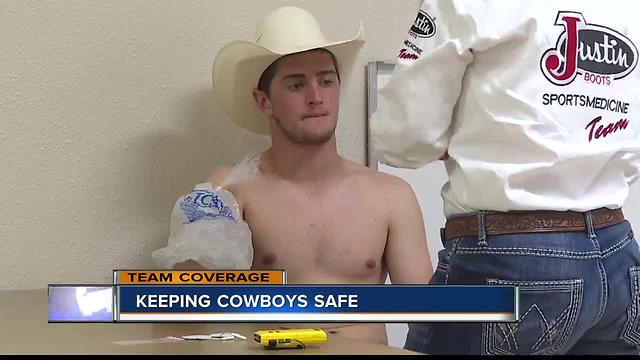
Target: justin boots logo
(597, 53)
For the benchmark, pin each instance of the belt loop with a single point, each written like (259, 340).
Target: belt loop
(442, 239)
(482, 230)
(588, 220)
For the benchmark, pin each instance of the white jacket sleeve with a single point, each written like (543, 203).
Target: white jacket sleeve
(411, 126)
(206, 227)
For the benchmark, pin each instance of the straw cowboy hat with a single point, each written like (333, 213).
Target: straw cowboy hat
(238, 65)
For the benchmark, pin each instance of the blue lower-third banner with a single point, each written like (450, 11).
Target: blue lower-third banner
(326, 303)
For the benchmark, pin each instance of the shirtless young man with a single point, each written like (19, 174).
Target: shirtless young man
(324, 219)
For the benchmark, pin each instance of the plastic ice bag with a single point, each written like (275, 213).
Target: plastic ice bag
(206, 227)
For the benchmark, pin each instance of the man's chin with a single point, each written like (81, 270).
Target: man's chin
(317, 139)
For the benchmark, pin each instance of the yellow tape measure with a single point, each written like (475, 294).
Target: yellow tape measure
(289, 338)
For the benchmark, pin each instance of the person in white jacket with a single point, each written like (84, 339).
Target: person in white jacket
(534, 108)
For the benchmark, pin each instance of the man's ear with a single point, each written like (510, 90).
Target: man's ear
(263, 102)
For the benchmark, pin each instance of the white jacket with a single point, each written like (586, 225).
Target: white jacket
(535, 101)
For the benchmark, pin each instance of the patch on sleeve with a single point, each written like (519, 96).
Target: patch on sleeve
(424, 26)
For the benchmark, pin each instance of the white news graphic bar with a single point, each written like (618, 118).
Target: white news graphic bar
(398, 317)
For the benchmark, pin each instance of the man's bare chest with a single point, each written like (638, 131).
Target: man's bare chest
(342, 232)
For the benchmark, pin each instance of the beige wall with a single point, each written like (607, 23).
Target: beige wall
(107, 115)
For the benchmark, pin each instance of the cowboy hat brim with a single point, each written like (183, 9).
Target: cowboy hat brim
(239, 65)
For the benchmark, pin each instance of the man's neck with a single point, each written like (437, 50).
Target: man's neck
(304, 163)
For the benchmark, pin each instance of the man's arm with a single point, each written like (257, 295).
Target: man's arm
(216, 178)
(406, 254)
(413, 122)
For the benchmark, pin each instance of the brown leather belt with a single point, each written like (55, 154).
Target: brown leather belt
(500, 223)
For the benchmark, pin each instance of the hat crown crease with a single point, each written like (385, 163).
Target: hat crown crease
(289, 29)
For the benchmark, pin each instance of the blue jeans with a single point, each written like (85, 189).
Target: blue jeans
(579, 293)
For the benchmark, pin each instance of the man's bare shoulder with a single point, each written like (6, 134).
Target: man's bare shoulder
(219, 174)
(378, 180)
